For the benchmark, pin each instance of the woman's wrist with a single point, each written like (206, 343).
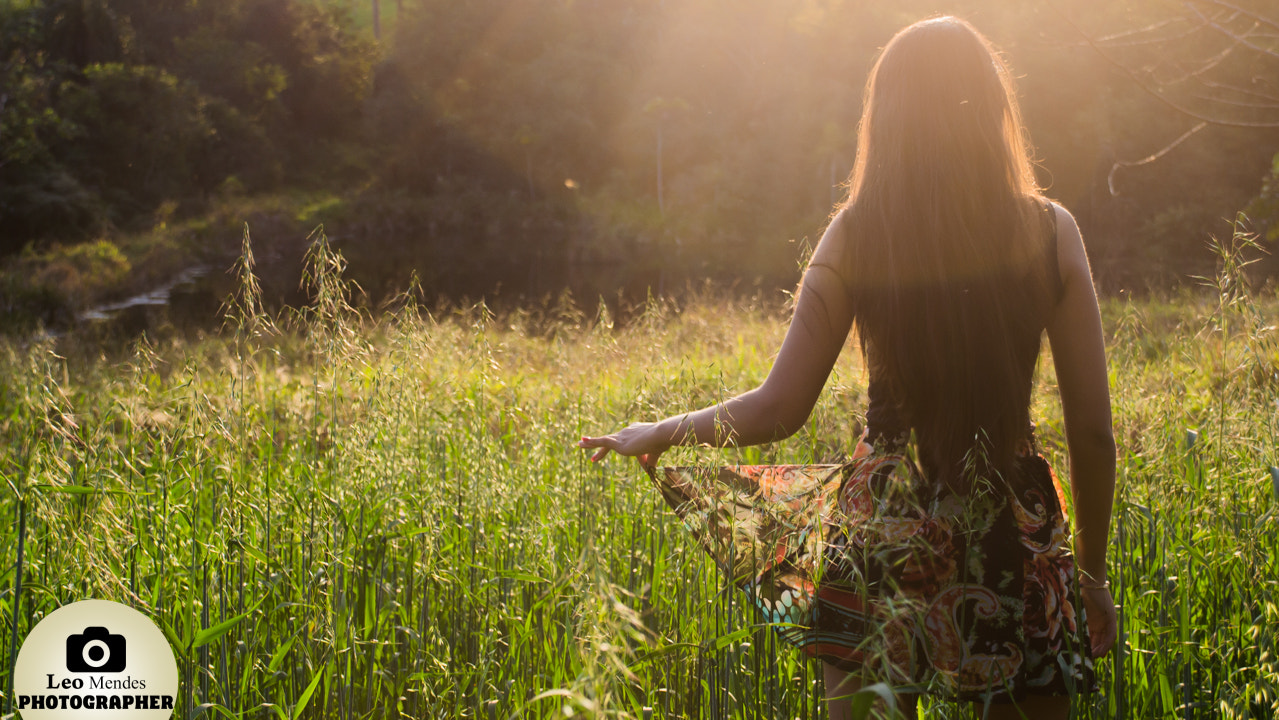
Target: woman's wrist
(1091, 581)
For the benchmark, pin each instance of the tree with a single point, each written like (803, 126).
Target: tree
(1203, 68)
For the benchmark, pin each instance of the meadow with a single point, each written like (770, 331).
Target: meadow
(335, 515)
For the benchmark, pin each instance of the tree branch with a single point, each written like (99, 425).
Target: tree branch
(1211, 63)
(1110, 177)
(1231, 6)
(1241, 39)
(1264, 101)
(1153, 92)
(1110, 39)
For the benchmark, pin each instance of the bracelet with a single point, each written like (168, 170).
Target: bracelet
(1087, 582)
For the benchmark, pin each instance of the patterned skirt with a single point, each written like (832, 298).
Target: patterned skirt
(969, 596)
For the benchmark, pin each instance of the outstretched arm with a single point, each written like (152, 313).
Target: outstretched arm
(780, 406)
(1079, 356)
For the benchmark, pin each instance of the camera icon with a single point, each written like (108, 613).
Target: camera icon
(95, 650)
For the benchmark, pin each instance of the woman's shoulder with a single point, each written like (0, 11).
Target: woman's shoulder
(832, 250)
(1068, 245)
(841, 220)
(1064, 229)
(1064, 222)
(1058, 211)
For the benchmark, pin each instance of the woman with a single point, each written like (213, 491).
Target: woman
(950, 265)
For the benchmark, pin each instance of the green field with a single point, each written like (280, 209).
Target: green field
(338, 517)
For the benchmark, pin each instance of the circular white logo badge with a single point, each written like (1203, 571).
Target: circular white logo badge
(95, 659)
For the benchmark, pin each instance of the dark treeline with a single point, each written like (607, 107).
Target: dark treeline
(524, 146)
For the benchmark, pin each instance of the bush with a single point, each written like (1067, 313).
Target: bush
(140, 133)
(81, 272)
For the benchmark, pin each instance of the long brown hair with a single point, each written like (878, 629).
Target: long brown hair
(946, 246)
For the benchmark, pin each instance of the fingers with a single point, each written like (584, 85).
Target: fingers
(1104, 644)
(648, 461)
(1106, 638)
(1103, 620)
(1100, 644)
(631, 441)
(603, 443)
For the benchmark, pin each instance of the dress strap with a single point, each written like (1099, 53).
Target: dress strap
(1054, 265)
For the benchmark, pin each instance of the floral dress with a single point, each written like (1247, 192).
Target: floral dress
(865, 565)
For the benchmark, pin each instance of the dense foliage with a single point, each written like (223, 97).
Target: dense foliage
(527, 146)
(115, 106)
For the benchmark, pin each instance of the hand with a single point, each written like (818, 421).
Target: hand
(1103, 622)
(640, 440)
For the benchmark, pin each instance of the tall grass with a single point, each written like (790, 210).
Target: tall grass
(343, 516)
